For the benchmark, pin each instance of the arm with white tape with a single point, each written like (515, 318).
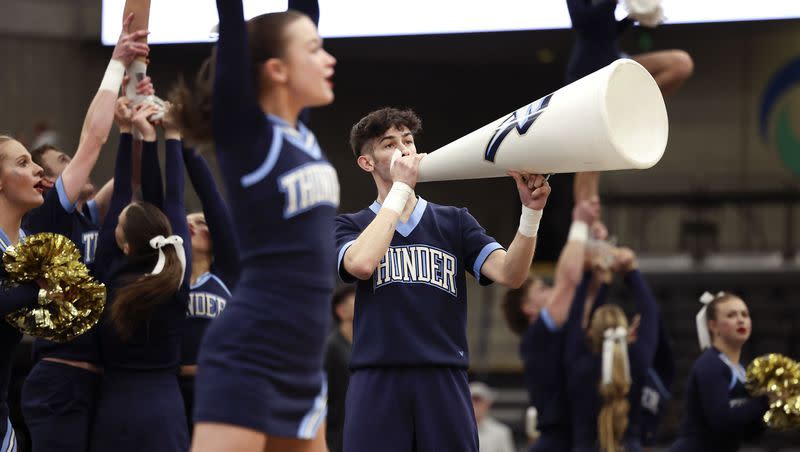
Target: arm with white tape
(365, 254)
(100, 115)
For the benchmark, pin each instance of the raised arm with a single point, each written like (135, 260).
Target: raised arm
(569, 268)
(100, 115)
(152, 184)
(174, 208)
(585, 12)
(575, 339)
(234, 92)
(102, 200)
(510, 268)
(647, 333)
(218, 218)
(308, 7)
(107, 247)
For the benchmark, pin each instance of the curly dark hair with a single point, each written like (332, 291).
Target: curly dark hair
(379, 121)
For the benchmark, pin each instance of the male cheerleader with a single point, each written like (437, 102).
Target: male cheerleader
(409, 388)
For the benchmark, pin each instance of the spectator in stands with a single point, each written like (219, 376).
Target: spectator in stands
(337, 360)
(493, 436)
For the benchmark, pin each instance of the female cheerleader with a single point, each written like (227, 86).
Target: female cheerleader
(58, 397)
(537, 313)
(610, 418)
(259, 382)
(145, 269)
(720, 414)
(215, 268)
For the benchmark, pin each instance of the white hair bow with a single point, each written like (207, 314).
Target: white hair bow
(612, 336)
(158, 242)
(702, 320)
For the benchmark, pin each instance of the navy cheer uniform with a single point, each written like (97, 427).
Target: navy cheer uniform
(140, 406)
(597, 34)
(11, 299)
(58, 399)
(260, 362)
(656, 393)
(409, 388)
(209, 295)
(583, 376)
(720, 414)
(542, 351)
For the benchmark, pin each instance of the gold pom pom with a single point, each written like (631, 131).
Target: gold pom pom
(75, 300)
(784, 414)
(773, 374)
(777, 376)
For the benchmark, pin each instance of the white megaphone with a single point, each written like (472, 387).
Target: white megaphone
(612, 119)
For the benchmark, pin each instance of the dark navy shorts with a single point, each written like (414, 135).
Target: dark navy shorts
(260, 363)
(405, 409)
(58, 403)
(138, 411)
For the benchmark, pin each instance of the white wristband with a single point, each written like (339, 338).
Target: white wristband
(397, 197)
(113, 77)
(529, 221)
(579, 231)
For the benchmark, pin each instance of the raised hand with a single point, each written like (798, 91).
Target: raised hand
(141, 113)
(587, 211)
(123, 114)
(127, 49)
(533, 189)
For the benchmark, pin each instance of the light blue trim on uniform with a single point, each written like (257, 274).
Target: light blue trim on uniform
(482, 256)
(272, 157)
(5, 242)
(341, 255)
(737, 371)
(301, 136)
(202, 279)
(10, 440)
(62, 196)
(313, 419)
(548, 321)
(659, 384)
(94, 211)
(405, 229)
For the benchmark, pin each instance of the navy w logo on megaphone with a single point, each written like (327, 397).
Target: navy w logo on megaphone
(521, 119)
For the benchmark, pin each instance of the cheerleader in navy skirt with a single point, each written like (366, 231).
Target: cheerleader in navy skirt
(142, 258)
(259, 381)
(537, 312)
(610, 419)
(215, 268)
(58, 397)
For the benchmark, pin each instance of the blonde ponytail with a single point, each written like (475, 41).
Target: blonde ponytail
(613, 418)
(607, 330)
